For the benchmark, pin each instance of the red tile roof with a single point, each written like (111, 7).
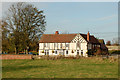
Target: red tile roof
(57, 38)
(64, 38)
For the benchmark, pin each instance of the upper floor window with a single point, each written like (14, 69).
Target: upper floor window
(78, 44)
(60, 45)
(56, 44)
(67, 44)
(46, 44)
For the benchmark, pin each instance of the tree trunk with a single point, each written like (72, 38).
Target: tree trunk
(15, 51)
(27, 50)
(24, 51)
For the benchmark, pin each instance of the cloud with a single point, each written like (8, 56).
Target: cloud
(108, 17)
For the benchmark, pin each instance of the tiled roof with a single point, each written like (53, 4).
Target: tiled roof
(92, 38)
(57, 38)
(64, 38)
(102, 43)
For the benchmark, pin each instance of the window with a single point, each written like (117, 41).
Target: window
(56, 52)
(46, 52)
(82, 52)
(77, 52)
(78, 44)
(48, 44)
(67, 52)
(61, 52)
(44, 45)
(61, 45)
(67, 44)
(55, 44)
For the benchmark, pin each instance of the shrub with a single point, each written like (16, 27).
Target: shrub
(90, 52)
(98, 52)
(72, 51)
(53, 51)
(35, 53)
(43, 51)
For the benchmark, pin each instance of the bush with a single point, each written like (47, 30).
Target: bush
(35, 53)
(53, 51)
(43, 51)
(72, 51)
(98, 52)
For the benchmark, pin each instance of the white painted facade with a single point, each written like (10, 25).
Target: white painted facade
(77, 46)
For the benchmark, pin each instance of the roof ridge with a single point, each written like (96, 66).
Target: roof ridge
(57, 34)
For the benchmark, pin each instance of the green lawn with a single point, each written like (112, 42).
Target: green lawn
(62, 68)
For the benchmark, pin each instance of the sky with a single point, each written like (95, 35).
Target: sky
(99, 18)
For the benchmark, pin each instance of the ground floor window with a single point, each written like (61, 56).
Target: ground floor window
(46, 52)
(77, 52)
(61, 52)
(56, 52)
(66, 51)
(82, 52)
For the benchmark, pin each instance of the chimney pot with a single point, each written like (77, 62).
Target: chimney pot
(56, 32)
(88, 36)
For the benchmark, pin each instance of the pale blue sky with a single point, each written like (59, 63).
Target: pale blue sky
(100, 18)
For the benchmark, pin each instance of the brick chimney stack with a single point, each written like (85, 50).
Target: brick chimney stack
(88, 36)
(56, 32)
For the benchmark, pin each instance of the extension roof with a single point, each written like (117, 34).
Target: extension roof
(102, 43)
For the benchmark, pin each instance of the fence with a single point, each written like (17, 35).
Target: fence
(10, 56)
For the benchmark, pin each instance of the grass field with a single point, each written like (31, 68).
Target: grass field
(62, 68)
